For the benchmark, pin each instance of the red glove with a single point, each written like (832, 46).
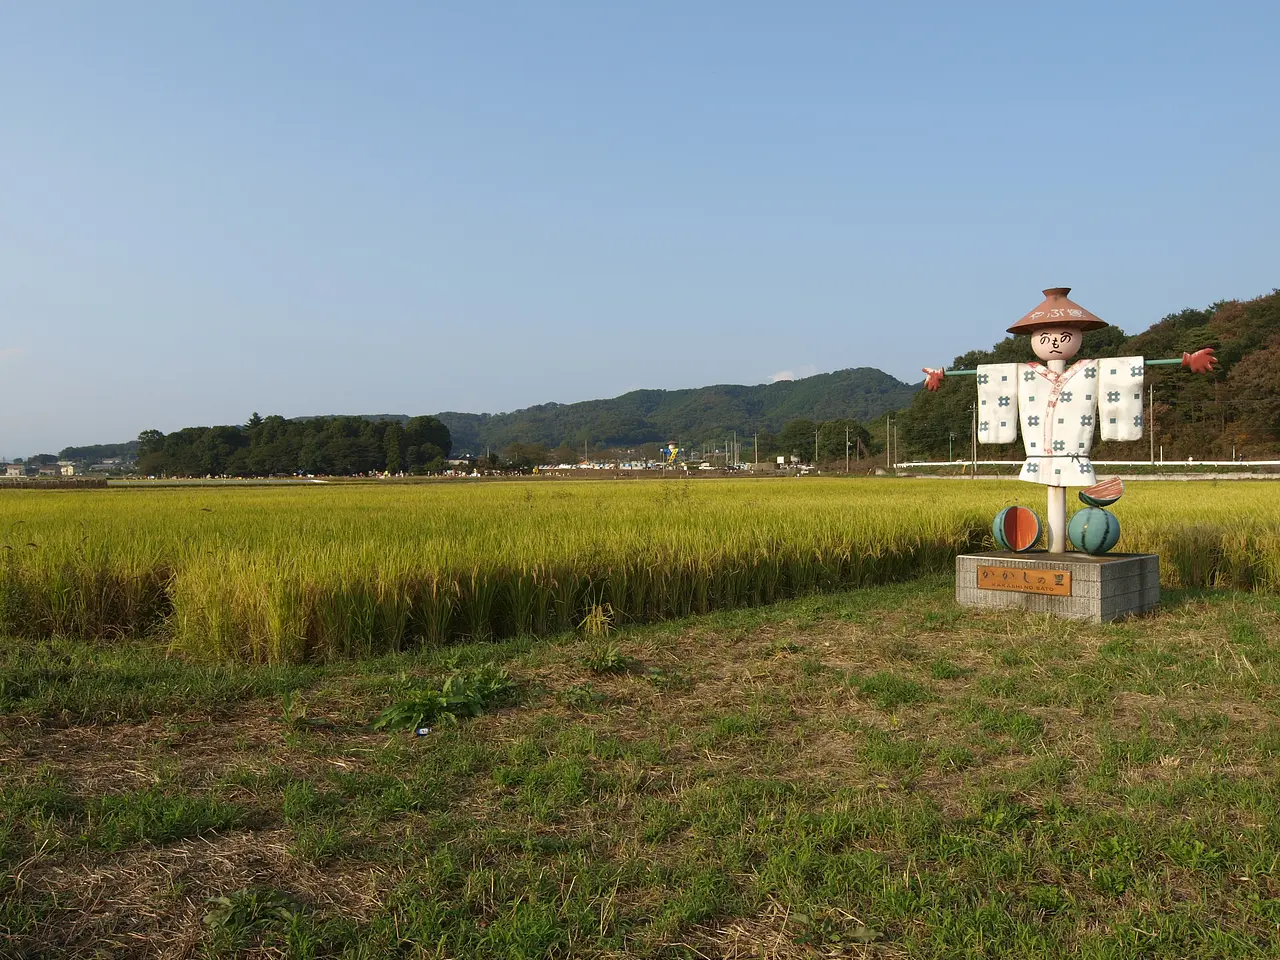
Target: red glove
(1201, 361)
(933, 378)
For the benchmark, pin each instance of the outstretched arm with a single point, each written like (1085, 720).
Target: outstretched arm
(933, 377)
(1202, 361)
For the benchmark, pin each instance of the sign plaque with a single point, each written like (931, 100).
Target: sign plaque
(1054, 583)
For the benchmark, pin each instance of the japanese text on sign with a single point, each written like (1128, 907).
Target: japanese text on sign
(1056, 583)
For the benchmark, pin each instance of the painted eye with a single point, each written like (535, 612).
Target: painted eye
(1066, 336)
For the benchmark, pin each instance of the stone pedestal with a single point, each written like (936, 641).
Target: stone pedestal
(1096, 589)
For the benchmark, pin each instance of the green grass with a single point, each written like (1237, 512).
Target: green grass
(154, 817)
(85, 682)
(889, 691)
(851, 772)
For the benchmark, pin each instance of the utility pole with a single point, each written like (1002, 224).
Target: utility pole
(846, 449)
(757, 449)
(973, 438)
(1151, 418)
(951, 436)
(735, 448)
(815, 445)
(887, 420)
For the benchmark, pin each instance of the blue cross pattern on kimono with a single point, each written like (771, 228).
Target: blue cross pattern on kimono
(1058, 413)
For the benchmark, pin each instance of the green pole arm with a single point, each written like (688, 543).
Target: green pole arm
(1150, 363)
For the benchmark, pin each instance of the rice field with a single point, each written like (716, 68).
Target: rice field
(318, 573)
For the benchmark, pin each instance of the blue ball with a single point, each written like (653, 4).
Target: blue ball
(1094, 530)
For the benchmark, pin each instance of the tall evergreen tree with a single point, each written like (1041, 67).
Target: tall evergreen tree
(393, 441)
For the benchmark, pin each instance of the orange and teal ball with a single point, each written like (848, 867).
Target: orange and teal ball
(1094, 530)
(1016, 529)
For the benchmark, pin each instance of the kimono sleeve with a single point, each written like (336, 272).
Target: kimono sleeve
(1120, 397)
(997, 402)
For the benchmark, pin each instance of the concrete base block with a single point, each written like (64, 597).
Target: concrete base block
(1102, 588)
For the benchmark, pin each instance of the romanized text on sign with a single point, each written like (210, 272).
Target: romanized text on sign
(1056, 583)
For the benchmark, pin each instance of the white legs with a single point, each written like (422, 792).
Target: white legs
(1057, 519)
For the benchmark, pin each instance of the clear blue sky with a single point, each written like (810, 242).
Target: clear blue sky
(212, 208)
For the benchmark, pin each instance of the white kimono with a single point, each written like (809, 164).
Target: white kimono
(1058, 412)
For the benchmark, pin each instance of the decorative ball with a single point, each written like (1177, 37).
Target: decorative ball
(1094, 530)
(1016, 529)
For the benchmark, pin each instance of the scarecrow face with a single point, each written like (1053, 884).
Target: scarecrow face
(1056, 343)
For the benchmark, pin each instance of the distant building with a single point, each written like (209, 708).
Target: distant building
(66, 468)
(15, 469)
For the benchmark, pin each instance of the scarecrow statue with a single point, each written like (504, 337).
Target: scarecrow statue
(1058, 405)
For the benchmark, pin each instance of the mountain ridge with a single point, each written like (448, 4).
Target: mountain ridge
(1234, 410)
(685, 415)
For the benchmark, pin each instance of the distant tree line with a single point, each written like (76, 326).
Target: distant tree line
(274, 446)
(658, 416)
(797, 438)
(101, 451)
(1237, 410)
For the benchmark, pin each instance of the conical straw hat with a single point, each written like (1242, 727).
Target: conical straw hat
(1057, 311)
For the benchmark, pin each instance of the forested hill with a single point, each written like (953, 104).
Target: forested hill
(346, 444)
(686, 416)
(101, 451)
(1238, 407)
(1235, 409)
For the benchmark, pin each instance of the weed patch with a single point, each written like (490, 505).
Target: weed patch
(464, 693)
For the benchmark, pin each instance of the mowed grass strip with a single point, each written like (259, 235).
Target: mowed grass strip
(291, 575)
(872, 773)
